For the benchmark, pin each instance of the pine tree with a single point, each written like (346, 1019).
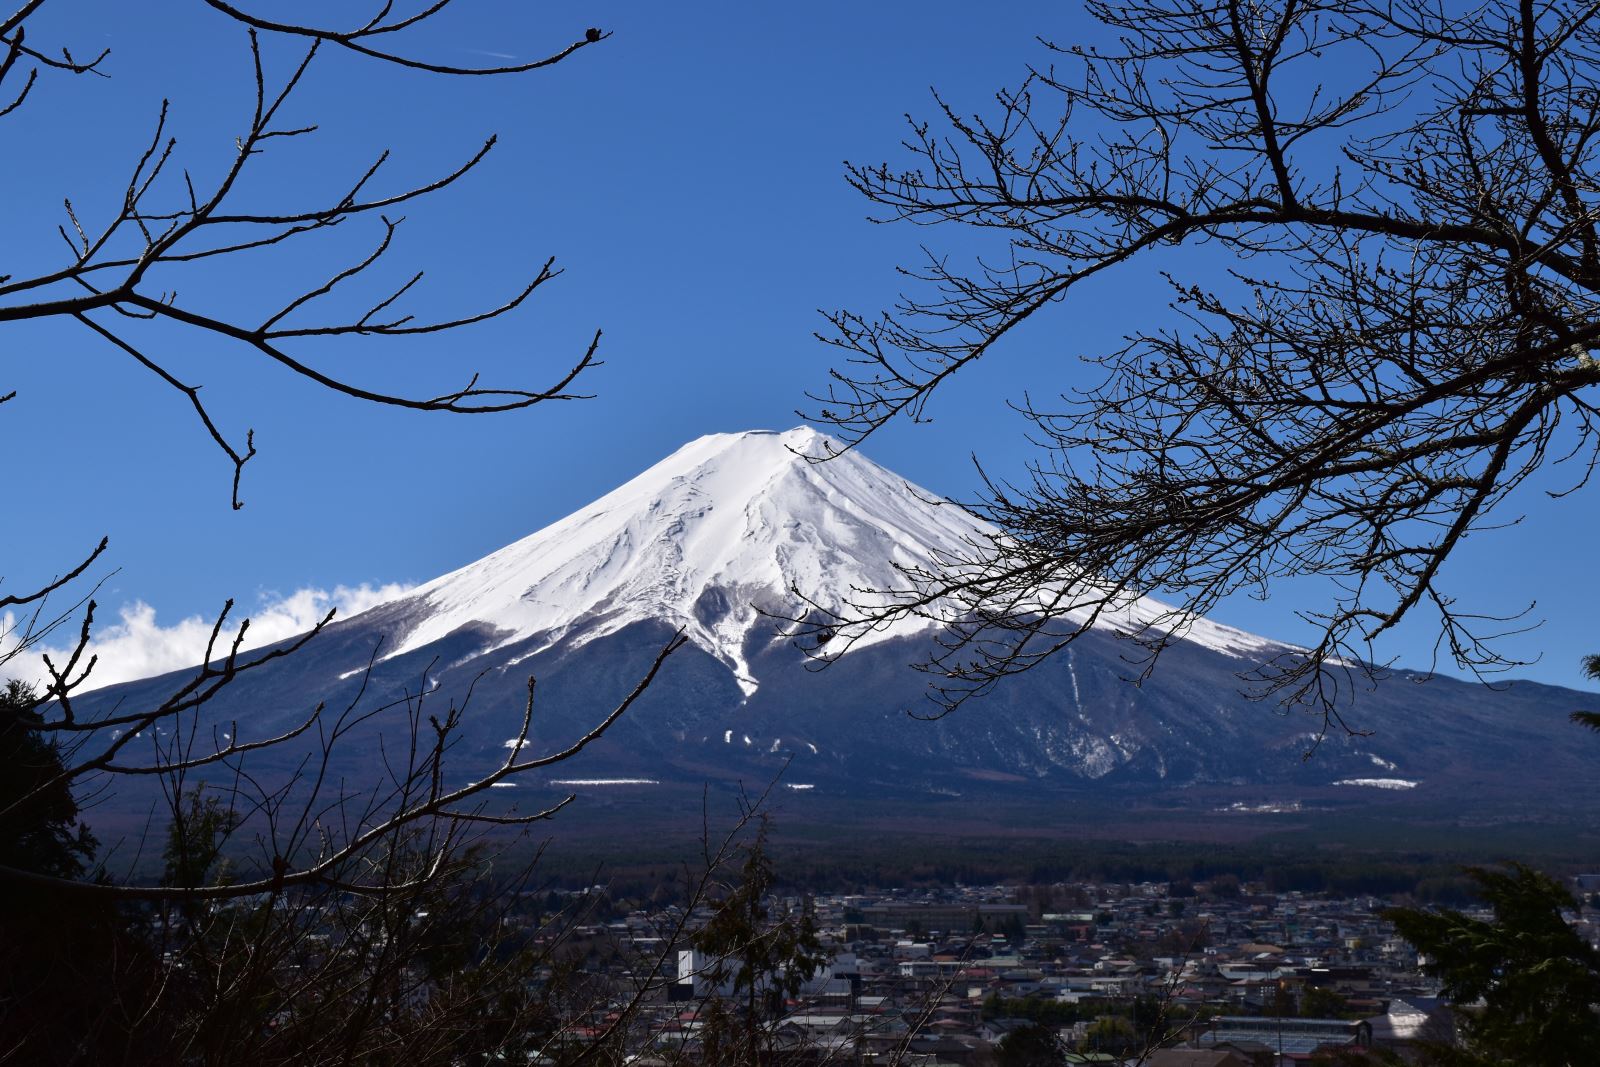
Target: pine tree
(1538, 980)
(767, 958)
(39, 827)
(68, 966)
(1591, 719)
(1033, 1045)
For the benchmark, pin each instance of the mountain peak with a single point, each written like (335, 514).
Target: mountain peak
(727, 529)
(751, 448)
(746, 521)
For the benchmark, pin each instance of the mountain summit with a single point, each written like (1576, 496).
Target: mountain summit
(727, 527)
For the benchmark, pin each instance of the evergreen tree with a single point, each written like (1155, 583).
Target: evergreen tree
(1538, 980)
(195, 838)
(39, 826)
(1591, 719)
(68, 966)
(767, 958)
(1033, 1045)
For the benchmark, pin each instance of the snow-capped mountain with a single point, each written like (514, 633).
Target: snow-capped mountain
(733, 526)
(727, 527)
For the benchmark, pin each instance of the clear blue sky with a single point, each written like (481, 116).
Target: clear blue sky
(686, 173)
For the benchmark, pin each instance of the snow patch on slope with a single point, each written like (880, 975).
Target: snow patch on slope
(1380, 783)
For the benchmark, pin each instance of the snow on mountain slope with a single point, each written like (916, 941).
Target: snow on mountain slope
(727, 524)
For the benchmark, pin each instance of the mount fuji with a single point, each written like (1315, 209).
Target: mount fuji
(726, 531)
(735, 529)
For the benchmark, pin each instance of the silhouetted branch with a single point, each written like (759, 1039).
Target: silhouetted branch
(1394, 329)
(172, 224)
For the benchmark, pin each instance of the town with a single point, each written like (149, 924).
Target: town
(1174, 974)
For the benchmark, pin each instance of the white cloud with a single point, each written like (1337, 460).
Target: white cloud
(139, 646)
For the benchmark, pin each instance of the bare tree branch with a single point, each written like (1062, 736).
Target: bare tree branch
(173, 225)
(1397, 332)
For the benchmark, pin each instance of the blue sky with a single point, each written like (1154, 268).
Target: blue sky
(687, 174)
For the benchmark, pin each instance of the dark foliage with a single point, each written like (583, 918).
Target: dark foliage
(766, 957)
(1539, 981)
(1032, 1045)
(39, 826)
(70, 968)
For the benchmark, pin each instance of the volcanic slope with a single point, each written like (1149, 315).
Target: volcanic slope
(732, 527)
